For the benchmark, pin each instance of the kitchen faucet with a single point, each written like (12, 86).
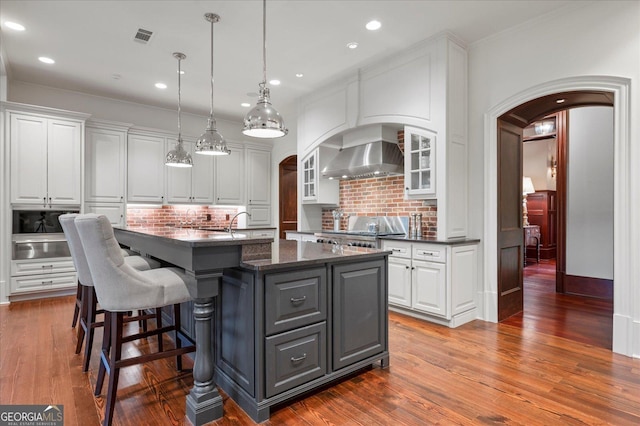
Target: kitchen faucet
(234, 218)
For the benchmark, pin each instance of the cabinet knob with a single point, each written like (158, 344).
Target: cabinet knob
(413, 268)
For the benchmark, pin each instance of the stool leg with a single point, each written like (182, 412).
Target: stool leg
(117, 319)
(177, 325)
(142, 323)
(83, 317)
(91, 320)
(76, 310)
(104, 353)
(159, 326)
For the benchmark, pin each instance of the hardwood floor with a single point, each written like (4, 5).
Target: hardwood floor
(583, 319)
(479, 373)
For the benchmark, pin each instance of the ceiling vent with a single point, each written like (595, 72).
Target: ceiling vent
(143, 36)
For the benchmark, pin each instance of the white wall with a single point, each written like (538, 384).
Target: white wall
(590, 193)
(596, 39)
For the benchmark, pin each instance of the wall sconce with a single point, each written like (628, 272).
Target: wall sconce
(554, 167)
(527, 188)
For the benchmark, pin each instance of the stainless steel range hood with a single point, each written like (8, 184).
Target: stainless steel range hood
(371, 159)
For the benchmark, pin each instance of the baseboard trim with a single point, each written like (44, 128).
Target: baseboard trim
(587, 286)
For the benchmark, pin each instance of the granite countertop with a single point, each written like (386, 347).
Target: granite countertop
(289, 253)
(452, 242)
(196, 237)
(249, 228)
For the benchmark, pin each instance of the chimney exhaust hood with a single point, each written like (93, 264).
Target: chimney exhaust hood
(366, 153)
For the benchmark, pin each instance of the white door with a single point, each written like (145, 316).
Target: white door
(230, 177)
(105, 165)
(64, 162)
(258, 177)
(429, 287)
(145, 169)
(400, 281)
(28, 159)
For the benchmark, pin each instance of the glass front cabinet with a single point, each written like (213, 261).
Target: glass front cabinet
(419, 163)
(309, 177)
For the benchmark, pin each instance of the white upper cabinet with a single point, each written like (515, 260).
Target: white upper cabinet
(316, 190)
(230, 177)
(145, 168)
(46, 166)
(419, 163)
(192, 185)
(105, 163)
(258, 177)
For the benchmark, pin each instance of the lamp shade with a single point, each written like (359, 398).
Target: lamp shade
(178, 157)
(527, 186)
(263, 121)
(211, 142)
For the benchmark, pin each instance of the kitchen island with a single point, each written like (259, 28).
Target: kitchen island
(289, 324)
(203, 255)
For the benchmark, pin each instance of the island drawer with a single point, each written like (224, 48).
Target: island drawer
(295, 299)
(295, 357)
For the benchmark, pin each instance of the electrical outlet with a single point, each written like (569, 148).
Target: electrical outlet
(208, 217)
(227, 217)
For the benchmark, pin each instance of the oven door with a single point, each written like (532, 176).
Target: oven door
(39, 246)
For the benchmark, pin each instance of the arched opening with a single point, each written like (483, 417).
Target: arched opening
(288, 186)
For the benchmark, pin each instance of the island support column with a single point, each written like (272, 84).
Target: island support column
(204, 403)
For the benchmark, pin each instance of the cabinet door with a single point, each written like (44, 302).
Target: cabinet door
(64, 162)
(400, 281)
(464, 278)
(309, 183)
(145, 169)
(113, 211)
(230, 177)
(258, 177)
(28, 159)
(202, 178)
(419, 163)
(105, 165)
(429, 287)
(359, 311)
(179, 178)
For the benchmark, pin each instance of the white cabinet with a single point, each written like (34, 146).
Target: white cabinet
(436, 282)
(46, 275)
(258, 185)
(262, 233)
(316, 190)
(301, 236)
(46, 166)
(145, 168)
(192, 185)
(113, 211)
(419, 163)
(230, 177)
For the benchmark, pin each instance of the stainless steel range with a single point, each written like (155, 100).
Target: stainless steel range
(365, 231)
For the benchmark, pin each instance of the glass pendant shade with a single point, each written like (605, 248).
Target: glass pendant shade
(211, 142)
(263, 120)
(179, 157)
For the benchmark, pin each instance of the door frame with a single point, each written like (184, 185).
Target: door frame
(625, 329)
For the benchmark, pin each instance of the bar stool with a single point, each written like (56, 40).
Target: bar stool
(86, 290)
(120, 288)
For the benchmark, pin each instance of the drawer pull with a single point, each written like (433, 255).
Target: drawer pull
(47, 282)
(298, 300)
(298, 360)
(428, 253)
(47, 266)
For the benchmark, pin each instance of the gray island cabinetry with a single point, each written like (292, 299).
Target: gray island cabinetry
(310, 315)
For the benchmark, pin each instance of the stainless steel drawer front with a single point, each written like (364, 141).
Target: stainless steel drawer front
(39, 249)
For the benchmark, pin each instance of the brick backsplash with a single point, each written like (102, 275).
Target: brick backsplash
(381, 196)
(177, 216)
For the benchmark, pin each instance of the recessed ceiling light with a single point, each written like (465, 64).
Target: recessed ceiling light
(274, 82)
(245, 104)
(559, 101)
(373, 25)
(14, 26)
(352, 45)
(161, 85)
(299, 75)
(181, 72)
(46, 60)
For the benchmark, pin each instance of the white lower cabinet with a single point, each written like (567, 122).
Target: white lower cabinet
(32, 276)
(436, 282)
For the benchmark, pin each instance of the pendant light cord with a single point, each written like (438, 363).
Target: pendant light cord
(211, 113)
(264, 43)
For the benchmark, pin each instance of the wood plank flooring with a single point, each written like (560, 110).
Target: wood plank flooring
(480, 373)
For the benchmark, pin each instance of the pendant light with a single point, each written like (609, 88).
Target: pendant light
(211, 142)
(178, 157)
(263, 121)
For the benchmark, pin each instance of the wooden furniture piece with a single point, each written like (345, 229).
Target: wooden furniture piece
(531, 238)
(541, 206)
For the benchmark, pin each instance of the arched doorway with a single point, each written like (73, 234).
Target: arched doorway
(618, 89)
(288, 184)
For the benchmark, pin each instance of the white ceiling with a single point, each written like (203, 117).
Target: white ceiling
(93, 40)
